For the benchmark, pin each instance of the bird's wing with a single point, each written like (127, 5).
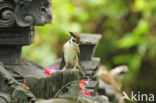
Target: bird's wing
(106, 78)
(109, 80)
(62, 61)
(77, 50)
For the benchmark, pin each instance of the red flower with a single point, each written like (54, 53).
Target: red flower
(80, 87)
(83, 82)
(86, 93)
(48, 73)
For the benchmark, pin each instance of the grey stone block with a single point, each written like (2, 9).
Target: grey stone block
(97, 99)
(92, 85)
(90, 64)
(88, 45)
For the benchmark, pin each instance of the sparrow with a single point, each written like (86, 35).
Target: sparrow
(118, 74)
(104, 77)
(114, 78)
(72, 52)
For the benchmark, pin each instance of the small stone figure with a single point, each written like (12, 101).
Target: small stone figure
(72, 52)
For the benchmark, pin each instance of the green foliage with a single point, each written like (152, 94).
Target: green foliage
(127, 26)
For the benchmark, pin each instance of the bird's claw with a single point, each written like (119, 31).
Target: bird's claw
(63, 69)
(73, 70)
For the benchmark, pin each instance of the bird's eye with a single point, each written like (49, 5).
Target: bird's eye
(74, 40)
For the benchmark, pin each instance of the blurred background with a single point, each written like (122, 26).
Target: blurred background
(128, 28)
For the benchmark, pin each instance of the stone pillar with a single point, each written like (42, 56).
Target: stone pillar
(89, 63)
(21, 80)
(16, 20)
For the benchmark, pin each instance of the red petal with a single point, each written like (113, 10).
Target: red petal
(80, 87)
(86, 93)
(83, 82)
(48, 73)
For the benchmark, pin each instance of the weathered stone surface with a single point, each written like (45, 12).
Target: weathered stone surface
(12, 87)
(5, 98)
(66, 100)
(96, 99)
(81, 99)
(89, 73)
(88, 39)
(32, 12)
(109, 91)
(25, 70)
(86, 52)
(90, 64)
(58, 100)
(24, 13)
(88, 45)
(60, 84)
(92, 84)
(7, 13)
(16, 19)
(21, 95)
(6, 80)
(10, 54)
(43, 86)
(16, 36)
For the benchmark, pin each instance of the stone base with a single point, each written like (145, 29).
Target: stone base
(10, 54)
(60, 84)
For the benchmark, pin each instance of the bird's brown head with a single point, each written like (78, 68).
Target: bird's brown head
(76, 36)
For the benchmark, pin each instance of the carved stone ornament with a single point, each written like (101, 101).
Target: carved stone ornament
(24, 81)
(24, 13)
(7, 18)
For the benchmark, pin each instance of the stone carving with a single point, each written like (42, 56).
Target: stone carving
(32, 12)
(5, 98)
(12, 88)
(24, 13)
(7, 18)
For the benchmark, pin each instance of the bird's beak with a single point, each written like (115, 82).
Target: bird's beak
(71, 33)
(123, 72)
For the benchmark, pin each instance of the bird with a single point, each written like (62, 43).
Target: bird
(72, 52)
(113, 78)
(104, 77)
(118, 74)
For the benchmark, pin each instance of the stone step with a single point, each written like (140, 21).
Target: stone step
(92, 85)
(88, 45)
(91, 64)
